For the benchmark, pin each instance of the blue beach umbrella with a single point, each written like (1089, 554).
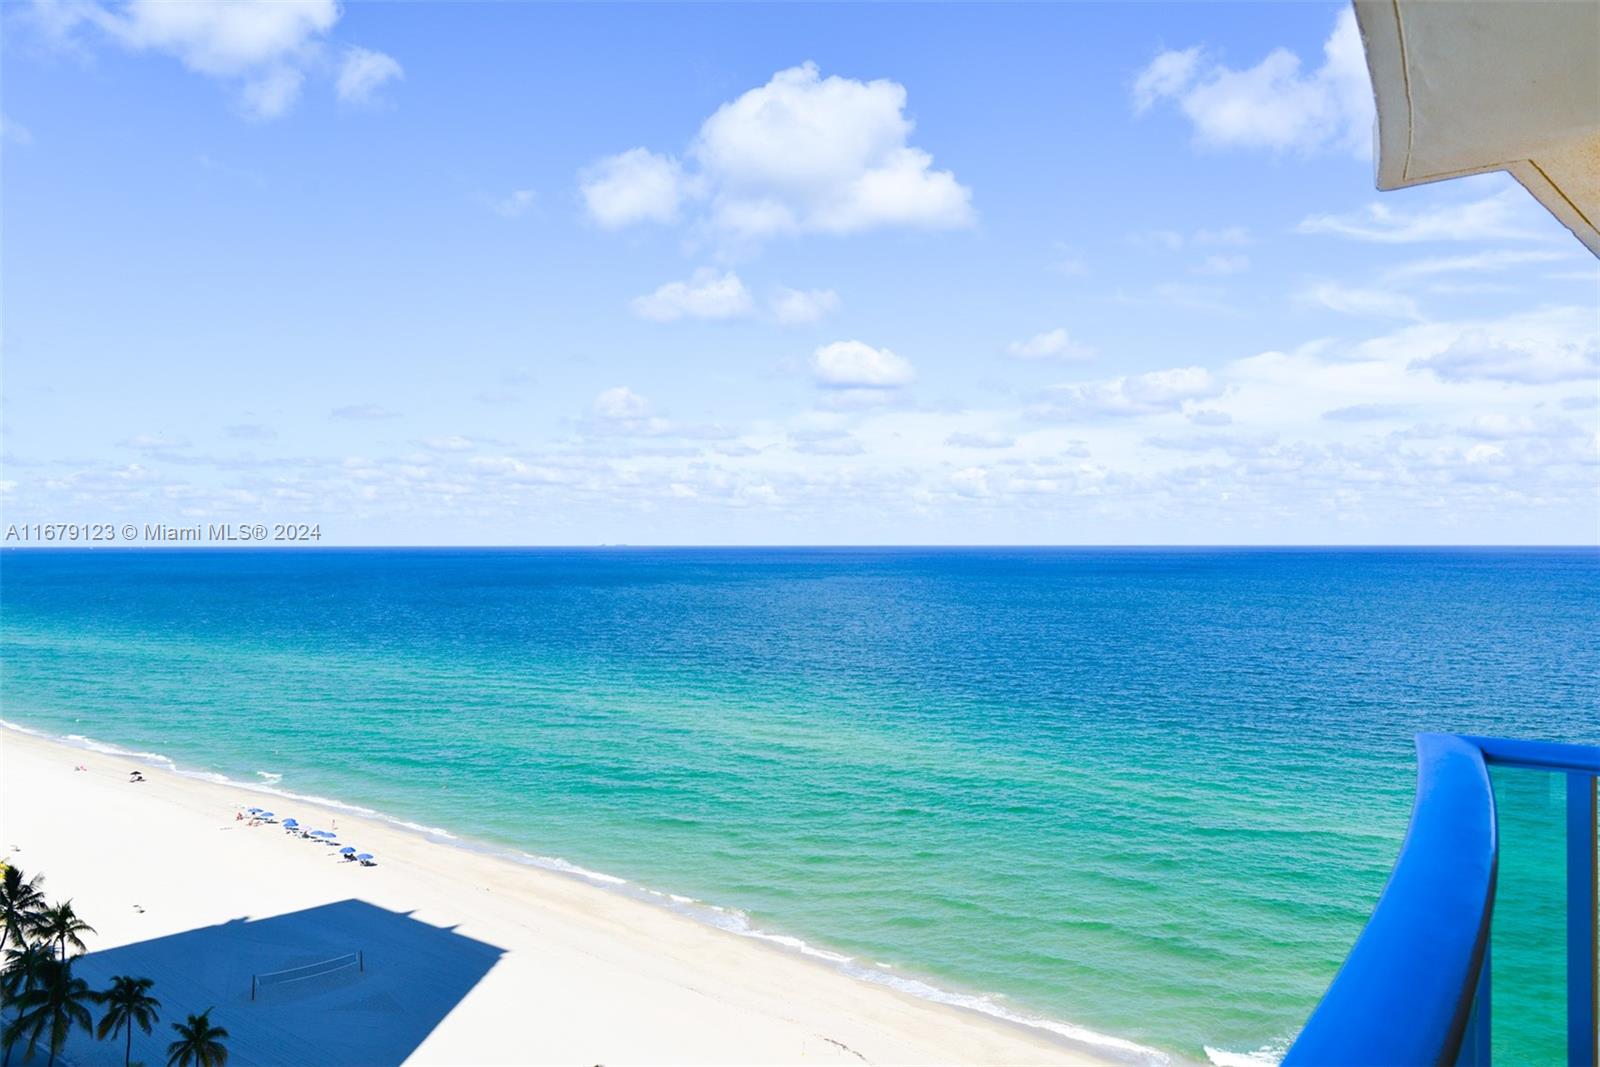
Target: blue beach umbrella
(251, 811)
(321, 833)
(346, 851)
(264, 814)
(291, 822)
(364, 856)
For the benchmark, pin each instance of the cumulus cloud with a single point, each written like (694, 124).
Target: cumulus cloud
(1276, 104)
(802, 153)
(1504, 215)
(1480, 355)
(856, 365)
(1153, 393)
(632, 186)
(266, 47)
(707, 295)
(1168, 75)
(362, 72)
(620, 404)
(1052, 344)
(794, 307)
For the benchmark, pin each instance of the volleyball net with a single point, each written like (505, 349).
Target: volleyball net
(350, 961)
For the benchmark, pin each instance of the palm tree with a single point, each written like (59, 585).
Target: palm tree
(128, 1003)
(23, 970)
(62, 926)
(21, 901)
(198, 1043)
(56, 1004)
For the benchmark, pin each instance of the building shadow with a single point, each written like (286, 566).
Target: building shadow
(409, 975)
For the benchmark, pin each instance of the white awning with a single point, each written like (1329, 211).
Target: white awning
(1467, 86)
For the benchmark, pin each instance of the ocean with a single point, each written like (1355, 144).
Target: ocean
(1143, 796)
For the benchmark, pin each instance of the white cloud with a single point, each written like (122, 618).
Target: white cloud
(1275, 104)
(707, 295)
(1480, 262)
(853, 365)
(272, 94)
(979, 440)
(267, 47)
(1052, 344)
(514, 204)
(826, 443)
(620, 404)
(797, 306)
(632, 186)
(362, 72)
(1375, 303)
(1168, 75)
(449, 443)
(970, 482)
(1367, 412)
(1481, 355)
(801, 153)
(1153, 393)
(1503, 215)
(217, 38)
(154, 442)
(14, 131)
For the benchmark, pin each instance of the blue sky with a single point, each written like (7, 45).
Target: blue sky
(508, 273)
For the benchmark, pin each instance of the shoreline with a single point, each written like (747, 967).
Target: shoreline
(888, 1018)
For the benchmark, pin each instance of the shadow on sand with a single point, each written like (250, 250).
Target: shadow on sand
(414, 975)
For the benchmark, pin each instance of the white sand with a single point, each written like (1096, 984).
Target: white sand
(470, 958)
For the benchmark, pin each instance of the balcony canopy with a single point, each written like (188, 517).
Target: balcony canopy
(1468, 86)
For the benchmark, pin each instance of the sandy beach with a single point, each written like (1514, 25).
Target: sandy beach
(467, 957)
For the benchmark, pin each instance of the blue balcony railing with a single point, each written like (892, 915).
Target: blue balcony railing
(1415, 988)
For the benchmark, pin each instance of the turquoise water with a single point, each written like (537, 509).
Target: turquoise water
(1150, 793)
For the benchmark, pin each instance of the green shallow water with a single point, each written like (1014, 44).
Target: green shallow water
(1152, 794)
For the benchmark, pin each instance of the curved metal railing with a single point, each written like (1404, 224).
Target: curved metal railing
(1415, 988)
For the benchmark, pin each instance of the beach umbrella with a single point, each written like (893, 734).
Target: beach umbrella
(347, 850)
(291, 822)
(264, 814)
(364, 856)
(251, 811)
(321, 833)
